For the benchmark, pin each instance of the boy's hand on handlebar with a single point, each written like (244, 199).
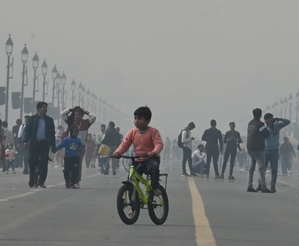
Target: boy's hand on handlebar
(152, 154)
(116, 154)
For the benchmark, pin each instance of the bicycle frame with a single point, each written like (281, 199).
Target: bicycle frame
(134, 177)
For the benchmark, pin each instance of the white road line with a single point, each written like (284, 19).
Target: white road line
(31, 192)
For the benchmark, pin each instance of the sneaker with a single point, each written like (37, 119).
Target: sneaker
(194, 174)
(217, 177)
(43, 186)
(77, 185)
(67, 185)
(272, 189)
(207, 176)
(221, 177)
(231, 177)
(250, 189)
(259, 188)
(74, 187)
(157, 192)
(30, 184)
(6, 172)
(266, 190)
(185, 175)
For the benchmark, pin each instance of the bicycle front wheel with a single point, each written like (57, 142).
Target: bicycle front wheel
(158, 207)
(128, 204)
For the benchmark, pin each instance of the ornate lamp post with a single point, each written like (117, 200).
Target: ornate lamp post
(291, 104)
(54, 75)
(83, 96)
(73, 88)
(80, 88)
(44, 72)
(63, 82)
(88, 98)
(35, 62)
(8, 48)
(24, 56)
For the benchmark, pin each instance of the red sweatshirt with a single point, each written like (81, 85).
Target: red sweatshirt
(149, 141)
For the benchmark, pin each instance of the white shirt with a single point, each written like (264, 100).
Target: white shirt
(186, 139)
(200, 155)
(21, 130)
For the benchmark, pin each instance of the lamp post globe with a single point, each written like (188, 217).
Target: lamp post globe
(54, 73)
(35, 61)
(9, 46)
(24, 54)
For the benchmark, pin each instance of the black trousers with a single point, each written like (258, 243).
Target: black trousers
(187, 157)
(38, 159)
(150, 167)
(232, 153)
(71, 169)
(212, 153)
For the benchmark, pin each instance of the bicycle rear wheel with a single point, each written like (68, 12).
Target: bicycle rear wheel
(128, 204)
(158, 207)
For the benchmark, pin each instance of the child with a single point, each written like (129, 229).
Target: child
(73, 146)
(147, 140)
(104, 153)
(10, 156)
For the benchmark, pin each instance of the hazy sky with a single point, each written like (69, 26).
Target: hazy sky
(187, 60)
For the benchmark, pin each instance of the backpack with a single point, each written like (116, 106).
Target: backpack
(180, 144)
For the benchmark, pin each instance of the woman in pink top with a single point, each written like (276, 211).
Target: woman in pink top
(147, 141)
(10, 156)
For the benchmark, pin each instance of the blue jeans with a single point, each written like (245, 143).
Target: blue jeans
(10, 164)
(104, 164)
(257, 157)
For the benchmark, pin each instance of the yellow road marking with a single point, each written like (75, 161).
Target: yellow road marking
(203, 232)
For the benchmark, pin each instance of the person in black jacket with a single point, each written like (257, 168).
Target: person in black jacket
(112, 139)
(15, 131)
(257, 132)
(212, 136)
(232, 139)
(39, 136)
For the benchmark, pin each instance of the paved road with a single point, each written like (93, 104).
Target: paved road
(202, 212)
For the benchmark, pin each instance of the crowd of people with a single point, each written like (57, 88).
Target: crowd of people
(29, 144)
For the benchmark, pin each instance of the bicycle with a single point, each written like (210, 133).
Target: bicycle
(131, 197)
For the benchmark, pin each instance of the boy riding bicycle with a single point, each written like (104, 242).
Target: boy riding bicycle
(146, 140)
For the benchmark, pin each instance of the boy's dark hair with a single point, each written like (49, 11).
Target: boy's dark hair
(268, 116)
(19, 122)
(257, 113)
(112, 124)
(200, 145)
(72, 129)
(27, 116)
(5, 124)
(213, 123)
(191, 124)
(40, 104)
(144, 112)
(103, 125)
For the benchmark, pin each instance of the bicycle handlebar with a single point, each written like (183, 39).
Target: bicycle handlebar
(130, 157)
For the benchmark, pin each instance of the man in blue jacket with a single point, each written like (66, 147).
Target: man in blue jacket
(39, 136)
(274, 125)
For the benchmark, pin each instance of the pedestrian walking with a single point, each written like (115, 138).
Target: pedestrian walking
(39, 136)
(112, 139)
(74, 117)
(10, 157)
(213, 137)
(274, 125)
(104, 153)
(286, 151)
(257, 132)
(73, 146)
(24, 151)
(100, 136)
(232, 139)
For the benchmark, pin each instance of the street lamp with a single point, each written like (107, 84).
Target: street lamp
(80, 88)
(297, 108)
(24, 58)
(88, 98)
(285, 104)
(58, 82)
(35, 62)
(73, 88)
(54, 75)
(63, 82)
(44, 72)
(291, 104)
(8, 48)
